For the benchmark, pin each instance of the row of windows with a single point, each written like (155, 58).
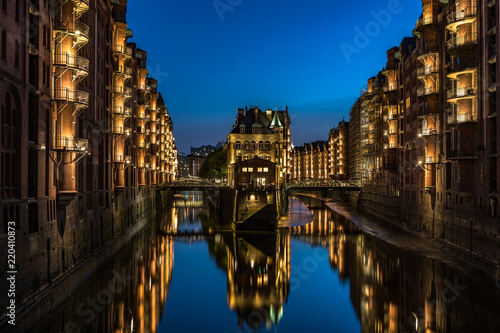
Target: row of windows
(17, 7)
(252, 145)
(255, 130)
(250, 169)
(250, 156)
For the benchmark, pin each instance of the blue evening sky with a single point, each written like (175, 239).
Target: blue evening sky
(211, 61)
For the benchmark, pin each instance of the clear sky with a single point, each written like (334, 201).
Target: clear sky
(211, 57)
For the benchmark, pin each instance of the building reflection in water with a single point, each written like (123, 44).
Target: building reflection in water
(396, 290)
(127, 295)
(390, 289)
(258, 277)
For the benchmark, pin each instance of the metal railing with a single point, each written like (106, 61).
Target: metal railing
(426, 70)
(423, 91)
(461, 118)
(70, 143)
(71, 96)
(77, 62)
(461, 92)
(75, 28)
(462, 40)
(122, 49)
(424, 21)
(455, 16)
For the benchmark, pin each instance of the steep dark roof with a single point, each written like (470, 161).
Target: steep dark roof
(249, 119)
(160, 99)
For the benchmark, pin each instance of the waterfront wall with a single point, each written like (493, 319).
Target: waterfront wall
(468, 232)
(81, 237)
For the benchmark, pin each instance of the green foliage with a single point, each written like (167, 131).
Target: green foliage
(215, 166)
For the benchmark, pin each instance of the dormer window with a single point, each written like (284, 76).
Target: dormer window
(242, 129)
(256, 130)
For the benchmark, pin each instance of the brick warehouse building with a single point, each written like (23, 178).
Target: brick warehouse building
(423, 136)
(84, 135)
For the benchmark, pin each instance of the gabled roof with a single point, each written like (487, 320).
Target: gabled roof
(254, 117)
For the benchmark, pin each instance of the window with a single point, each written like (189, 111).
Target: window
(256, 130)
(265, 169)
(4, 44)
(261, 145)
(247, 145)
(18, 11)
(245, 169)
(4, 5)
(267, 145)
(242, 129)
(252, 146)
(259, 169)
(267, 157)
(237, 146)
(250, 169)
(17, 55)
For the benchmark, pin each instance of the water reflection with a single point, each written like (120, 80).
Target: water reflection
(388, 289)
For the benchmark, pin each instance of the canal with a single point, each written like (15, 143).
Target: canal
(324, 276)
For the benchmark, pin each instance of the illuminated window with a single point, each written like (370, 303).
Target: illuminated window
(259, 169)
(245, 169)
(250, 169)
(266, 169)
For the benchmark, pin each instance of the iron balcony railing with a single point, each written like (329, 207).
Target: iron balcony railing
(71, 96)
(461, 40)
(71, 61)
(423, 91)
(461, 92)
(70, 143)
(423, 21)
(466, 13)
(426, 70)
(461, 118)
(123, 50)
(123, 159)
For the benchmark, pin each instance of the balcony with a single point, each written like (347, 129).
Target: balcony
(123, 159)
(427, 70)
(462, 41)
(461, 118)
(492, 82)
(455, 94)
(389, 88)
(427, 131)
(78, 31)
(80, 7)
(492, 55)
(76, 97)
(423, 21)
(122, 70)
(122, 110)
(390, 145)
(428, 160)
(121, 130)
(428, 53)
(126, 92)
(78, 65)
(69, 143)
(455, 69)
(123, 50)
(424, 91)
(464, 16)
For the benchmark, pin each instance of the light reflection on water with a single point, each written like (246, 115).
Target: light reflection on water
(325, 276)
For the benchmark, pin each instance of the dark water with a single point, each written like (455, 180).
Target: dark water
(322, 277)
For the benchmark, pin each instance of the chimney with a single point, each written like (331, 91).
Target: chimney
(269, 114)
(256, 113)
(241, 113)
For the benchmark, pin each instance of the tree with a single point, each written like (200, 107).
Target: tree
(215, 166)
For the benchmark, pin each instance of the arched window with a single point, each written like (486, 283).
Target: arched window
(4, 44)
(268, 145)
(252, 146)
(247, 145)
(4, 5)
(237, 146)
(261, 145)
